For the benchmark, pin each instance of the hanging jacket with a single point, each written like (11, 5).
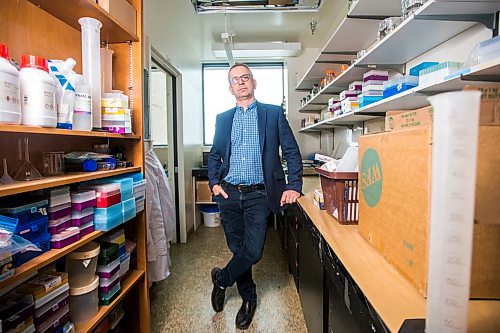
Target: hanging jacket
(160, 218)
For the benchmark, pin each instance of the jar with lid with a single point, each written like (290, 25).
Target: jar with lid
(10, 107)
(315, 89)
(330, 76)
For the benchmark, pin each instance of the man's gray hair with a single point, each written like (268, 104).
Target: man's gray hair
(238, 65)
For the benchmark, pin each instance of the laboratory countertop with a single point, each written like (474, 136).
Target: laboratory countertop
(391, 295)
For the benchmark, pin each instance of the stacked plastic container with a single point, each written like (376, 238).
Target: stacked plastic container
(373, 87)
(438, 73)
(349, 98)
(17, 310)
(108, 213)
(115, 319)
(108, 270)
(59, 212)
(81, 266)
(334, 106)
(49, 291)
(127, 196)
(119, 238)
(82, 210)
(139, 191)
(400, 84)
(116, 116)
(32, 225)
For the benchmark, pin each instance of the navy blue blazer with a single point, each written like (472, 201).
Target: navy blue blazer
(274, 131)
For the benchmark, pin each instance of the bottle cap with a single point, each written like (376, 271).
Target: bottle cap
(32, 61)
(4, 51)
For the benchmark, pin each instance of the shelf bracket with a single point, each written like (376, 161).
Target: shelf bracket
(488, 20)
(338, 62)
(400, 68)
(484, 78)
(370, 17)
(353, 53)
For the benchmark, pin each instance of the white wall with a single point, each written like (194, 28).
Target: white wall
(172, 27)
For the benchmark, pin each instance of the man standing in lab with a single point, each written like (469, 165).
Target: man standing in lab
(247, 180)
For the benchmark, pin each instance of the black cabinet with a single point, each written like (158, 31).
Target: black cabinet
(293, 223)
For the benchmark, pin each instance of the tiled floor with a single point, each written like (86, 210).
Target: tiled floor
(181, 303)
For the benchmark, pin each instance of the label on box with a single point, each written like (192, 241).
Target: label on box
(411, 119)
(371, 177)
(47, 281)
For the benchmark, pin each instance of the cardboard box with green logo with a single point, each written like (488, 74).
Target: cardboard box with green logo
(394, 204)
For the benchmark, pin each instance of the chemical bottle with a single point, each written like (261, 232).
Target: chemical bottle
(82, 115)
(38, 92)
(10, 107)
(65, 77)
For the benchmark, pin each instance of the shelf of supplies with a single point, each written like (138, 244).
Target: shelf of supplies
(351, 118)
(69, 178)
(46, 258)
(351, 36)
(406, 100)
(317, 103)
(70, 11)
(325, 124)
(127, 284)
(345, 78)
(376, 8)
(59, 131)
(312, 108)
(317, 70)
(414, 37)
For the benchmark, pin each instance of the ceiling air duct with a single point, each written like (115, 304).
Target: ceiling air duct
(254, 6)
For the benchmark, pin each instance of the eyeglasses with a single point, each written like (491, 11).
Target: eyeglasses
(239, 79)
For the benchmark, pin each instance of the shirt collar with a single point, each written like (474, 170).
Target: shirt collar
(251, 106)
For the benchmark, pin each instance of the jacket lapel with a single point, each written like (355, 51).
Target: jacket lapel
(261, 119)
(228, 134)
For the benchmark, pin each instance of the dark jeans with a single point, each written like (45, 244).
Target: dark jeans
(244, 218)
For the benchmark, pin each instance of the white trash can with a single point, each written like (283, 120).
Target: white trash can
(211, 216)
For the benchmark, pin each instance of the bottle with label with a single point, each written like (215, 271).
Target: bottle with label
(38, 92)
(10, 107)
(82, 115)
(62, 72)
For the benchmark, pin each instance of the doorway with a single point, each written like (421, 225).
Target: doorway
(161, 122)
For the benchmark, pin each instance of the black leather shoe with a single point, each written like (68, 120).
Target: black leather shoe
(245, 315)
(218, 294)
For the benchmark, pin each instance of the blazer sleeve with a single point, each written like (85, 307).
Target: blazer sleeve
(291, 153)
(215, 156)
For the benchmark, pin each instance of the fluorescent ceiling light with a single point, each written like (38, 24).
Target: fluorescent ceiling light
(258, 50)
(255, 6)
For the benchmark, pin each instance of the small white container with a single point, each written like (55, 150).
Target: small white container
(10, 107)
(82, 115)
(81, 265)
(38, 93)
(84, 302)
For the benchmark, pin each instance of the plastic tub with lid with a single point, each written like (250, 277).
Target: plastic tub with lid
(126, 186)
(50, 309)
(139, 206)
(15, 310)
(84, 301)
(10, 98)
(109, 270)
(128, 208)
(124, 264)
(65, 238)
(105, 285)
(137, 177)
(106, 219)
(140, 185)
(25, 210)
(81, 265)
(86, 229)
(108, 254)
(57, 226)
(54, 323)
(34, 229)
(108, 298)
(57, 212)
(118, 237)
(38, 92)
(81, 217)
(81, 200)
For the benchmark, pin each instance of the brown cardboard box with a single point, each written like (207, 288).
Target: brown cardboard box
(203, 193)
(373, 126)
(410, 119)
(394, 205)
(490, 104)
(124, 13)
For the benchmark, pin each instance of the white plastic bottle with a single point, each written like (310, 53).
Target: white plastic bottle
(38, 93)
(10, 107)
(82, 115)
(65, 77)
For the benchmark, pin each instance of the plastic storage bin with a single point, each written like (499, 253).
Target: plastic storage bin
(138, 176)
(139, 206)
(128, 209)
(15, 308)
(86, 229)
(65, 238)
(59, 211)
(108, 254)
(118, 237)
(57, 226)
(6, 266)
(43, 243)
(376, 75)
(81, 217)
(81, 265)
(26, 210)
(400, 84)
(106, 219)
(48, 310)
(45, 287)
(124, 264)
(84, 301)
(81, 200)
(109, 270)
(126, 186)
(340, 191)
(106, 285)
(108, 298)
(106, 194)
(56, 322)
(34, 229)
(367, 100)
(437, 73)
(211, 216)
(59, 197)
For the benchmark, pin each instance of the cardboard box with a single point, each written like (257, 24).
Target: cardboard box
(490, 104)
(395, 121)
(394, 205)
(374, 126)
(203, 193)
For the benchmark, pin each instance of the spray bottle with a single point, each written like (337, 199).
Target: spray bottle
(63, 72)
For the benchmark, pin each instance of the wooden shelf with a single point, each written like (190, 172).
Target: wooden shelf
(127, 284)
(58, 131)
(69, 178)
(47, 258)
(392, 296)
(70, 11)
(375, 8)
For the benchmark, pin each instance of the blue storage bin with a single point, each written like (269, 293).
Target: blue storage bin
(137, 177)
(126, 186)
(415, 71)
(25, 210)
(43, 243)
(106, 219)
(367, 100)
(128, 207)
(34, 229)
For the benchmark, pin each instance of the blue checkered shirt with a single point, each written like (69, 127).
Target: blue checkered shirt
(245, 164)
